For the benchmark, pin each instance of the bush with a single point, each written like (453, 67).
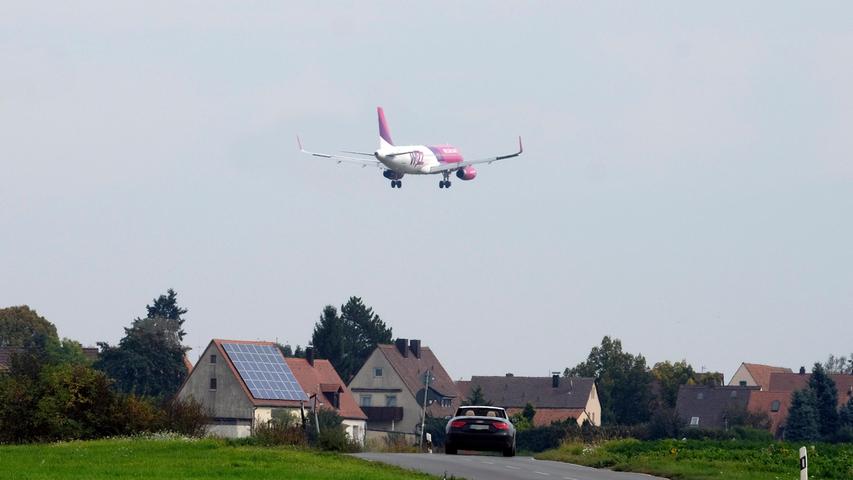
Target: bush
(332, 436)
(187, 417)
(284, 430)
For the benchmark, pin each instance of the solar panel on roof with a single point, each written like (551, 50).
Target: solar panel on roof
(265, 372)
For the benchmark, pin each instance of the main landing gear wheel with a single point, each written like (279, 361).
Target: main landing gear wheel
(444, 184)
(396, 184)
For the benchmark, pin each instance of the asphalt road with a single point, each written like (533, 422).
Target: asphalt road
(479, 467)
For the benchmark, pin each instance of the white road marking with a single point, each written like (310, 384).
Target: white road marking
(512, 467)
(542, 473)
(569, 478)
(487, 462)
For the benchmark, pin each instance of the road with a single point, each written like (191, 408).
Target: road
(479, 467)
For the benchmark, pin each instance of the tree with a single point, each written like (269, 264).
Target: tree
(622, 379)
(826, 401)
(346, 340)
(529, 412)
(839, 364)
(286, 350)
(802, 423)
(477, 397)
(21, 326)
(148, 360)
(670, 376)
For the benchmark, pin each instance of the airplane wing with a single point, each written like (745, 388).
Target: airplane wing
(364, 162)
(463, 164)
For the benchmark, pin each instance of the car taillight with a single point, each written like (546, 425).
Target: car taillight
(501, 425)
(457, 423)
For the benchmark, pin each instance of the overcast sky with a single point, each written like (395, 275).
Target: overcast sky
(686, 186)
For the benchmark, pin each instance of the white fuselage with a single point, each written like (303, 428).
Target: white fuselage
(410, 159)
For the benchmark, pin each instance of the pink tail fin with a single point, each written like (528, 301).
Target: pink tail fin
(384, 133)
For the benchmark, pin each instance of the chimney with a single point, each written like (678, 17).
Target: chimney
(402, 344)
(309, 355)
(415, 346)
(555, 380)
(802, 370)
(509, 374)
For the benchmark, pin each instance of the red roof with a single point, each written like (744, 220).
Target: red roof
(547, 416)
(789, 382)
(323, 378)
(763, 402)
(761, 373)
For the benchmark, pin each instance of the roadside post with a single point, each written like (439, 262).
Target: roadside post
(804, 464)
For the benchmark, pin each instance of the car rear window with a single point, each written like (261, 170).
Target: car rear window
(480, 412)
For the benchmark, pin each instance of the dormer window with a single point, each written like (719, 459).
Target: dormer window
(700, 395)
(694, 421)
(733, 394)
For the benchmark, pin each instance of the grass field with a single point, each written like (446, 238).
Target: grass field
(182, 459)
(704, 459)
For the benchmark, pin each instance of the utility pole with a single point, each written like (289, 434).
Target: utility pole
(427, 375)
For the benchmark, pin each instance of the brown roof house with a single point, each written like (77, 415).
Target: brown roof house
(706, 406)
(776, 401)
(391, 387)
(555, 399)
(755, 375)
(320, 380)
(243, 383)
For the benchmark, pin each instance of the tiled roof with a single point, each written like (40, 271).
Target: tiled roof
(789, 382)
(547, 416)
(322, 378)
(761, 373)
(763, 402)
(411, 370)
(511, 392)
(709, 403)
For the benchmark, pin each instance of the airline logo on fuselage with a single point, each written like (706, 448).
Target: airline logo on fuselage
(417, 159)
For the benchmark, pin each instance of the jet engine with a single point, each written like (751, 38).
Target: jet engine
(392, 175)
(467, 173)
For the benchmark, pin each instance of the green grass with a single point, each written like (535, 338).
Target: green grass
(707, 459)
(183, 459)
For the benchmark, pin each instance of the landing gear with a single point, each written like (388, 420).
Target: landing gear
(444, 183)
(396, 184)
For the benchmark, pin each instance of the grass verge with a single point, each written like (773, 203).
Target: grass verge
(183, 459)
(707, 459)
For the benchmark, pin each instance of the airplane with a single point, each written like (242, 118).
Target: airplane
(397, 161)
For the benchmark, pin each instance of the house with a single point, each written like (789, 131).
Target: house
(319, 379)
(755, 375)
(243, 384)
(555, 399)
(777, 400)
(391, 387)
(706, 406)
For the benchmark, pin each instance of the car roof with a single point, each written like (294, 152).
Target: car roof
(482, 406)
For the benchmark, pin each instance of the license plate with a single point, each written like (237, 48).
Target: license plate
(479, 427)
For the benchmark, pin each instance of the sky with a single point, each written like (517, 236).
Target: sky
(686, 185)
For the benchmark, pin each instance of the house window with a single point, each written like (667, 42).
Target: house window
(390, 400)
(377, 372)
(694, 421)
(742, 383)
(213, 359)
(733, 394)
(774, 406)
(445, 402)
(213, 384)
(700, 395)
(364, 400)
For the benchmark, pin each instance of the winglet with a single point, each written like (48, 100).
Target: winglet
(299, 142)
(520, 147)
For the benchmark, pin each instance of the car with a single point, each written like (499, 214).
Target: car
(483, 428)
